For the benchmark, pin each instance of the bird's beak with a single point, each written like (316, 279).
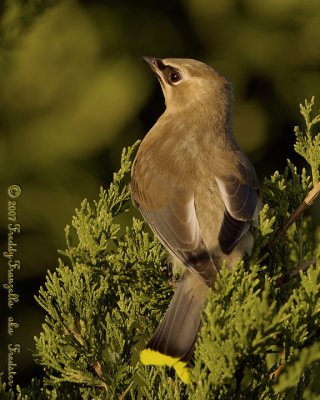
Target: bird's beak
(155, 64)
(151, 61)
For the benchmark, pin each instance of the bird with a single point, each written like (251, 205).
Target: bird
(197, 191)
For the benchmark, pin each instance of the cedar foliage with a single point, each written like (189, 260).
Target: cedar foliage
(260, 336)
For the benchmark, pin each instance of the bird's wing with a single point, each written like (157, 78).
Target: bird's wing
(240, 200)
(177, 227)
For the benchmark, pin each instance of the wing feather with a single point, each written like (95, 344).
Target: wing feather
(240, 200)
(177, 227)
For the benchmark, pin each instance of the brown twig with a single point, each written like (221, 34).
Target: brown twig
(296, 272)
(98, 369)
(312, 195)
(303, 267)
(275, 374)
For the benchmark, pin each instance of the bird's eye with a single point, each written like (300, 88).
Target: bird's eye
(174, 76)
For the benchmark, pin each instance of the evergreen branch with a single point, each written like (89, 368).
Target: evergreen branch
(307, 202)
(259, 338)
(307, 144)
(296, 272)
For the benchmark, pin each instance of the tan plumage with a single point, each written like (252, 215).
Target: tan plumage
(195, 188)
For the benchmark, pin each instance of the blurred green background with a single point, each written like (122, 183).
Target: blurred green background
(73, 92)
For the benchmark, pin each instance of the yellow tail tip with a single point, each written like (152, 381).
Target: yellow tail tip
(183, 372)
(153, 357)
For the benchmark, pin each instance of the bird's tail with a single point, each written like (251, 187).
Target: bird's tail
(173, 341)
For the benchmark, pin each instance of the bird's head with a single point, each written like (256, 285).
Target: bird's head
(186, 82)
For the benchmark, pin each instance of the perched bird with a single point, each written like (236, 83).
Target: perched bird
(197, 191)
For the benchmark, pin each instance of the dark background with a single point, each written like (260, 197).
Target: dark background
(74, 92)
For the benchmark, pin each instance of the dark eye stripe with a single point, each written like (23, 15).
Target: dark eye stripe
(160, 65)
